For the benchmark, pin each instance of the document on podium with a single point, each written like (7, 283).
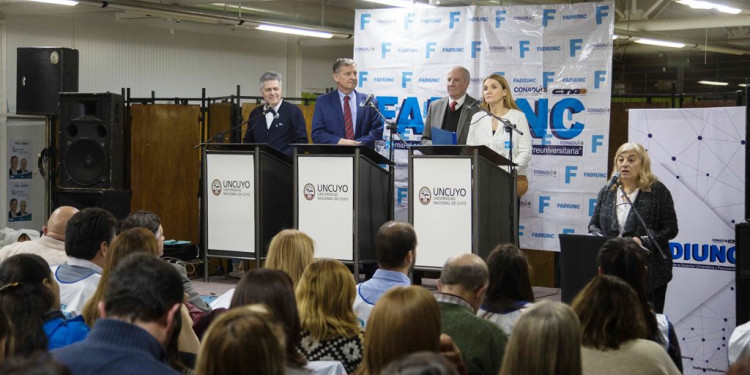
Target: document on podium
(443, 137)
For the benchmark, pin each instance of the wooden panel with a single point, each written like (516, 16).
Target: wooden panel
(246, 109)
(165, 166)
(219, 119)
(543, 266)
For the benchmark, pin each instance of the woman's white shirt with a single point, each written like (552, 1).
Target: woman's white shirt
(480, 133)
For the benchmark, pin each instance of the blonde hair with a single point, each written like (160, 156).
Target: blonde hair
(508, 101)
(130, 241)
(405, 320)
(325, 299)
(645, 177)
(546, 340)
(245, 339)
(290, 251)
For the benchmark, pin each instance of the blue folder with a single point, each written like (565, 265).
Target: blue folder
(443, 137)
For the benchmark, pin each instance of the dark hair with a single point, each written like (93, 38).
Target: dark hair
(392, 242)
(142, 287)
(274, 289)
(26, 300)
(510, 281)
(6, 333)
(39, 363)
(13, 157)
(609, 313)
(623, 258)
(421, 363)
(86, 230)
(141, 219)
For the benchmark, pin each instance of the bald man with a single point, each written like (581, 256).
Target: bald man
(51, 246)
(453, 112)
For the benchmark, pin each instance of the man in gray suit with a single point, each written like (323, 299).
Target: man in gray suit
(452, 113)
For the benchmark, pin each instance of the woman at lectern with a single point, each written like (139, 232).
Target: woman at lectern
(613, 217)
(488, 131)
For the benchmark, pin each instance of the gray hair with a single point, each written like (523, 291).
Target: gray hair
(269, 76)
(342, 61)
(466, 270)
(464, 72)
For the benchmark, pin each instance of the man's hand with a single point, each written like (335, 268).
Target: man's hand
(349, 142)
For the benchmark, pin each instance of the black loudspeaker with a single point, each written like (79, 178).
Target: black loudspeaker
(44, 72)
(742, 272)
(92, 141)
(115, 201)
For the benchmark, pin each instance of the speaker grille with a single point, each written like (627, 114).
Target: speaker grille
(86, 162)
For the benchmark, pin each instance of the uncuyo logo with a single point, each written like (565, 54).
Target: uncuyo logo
(216, 187)
(309, 191)
(425, 196)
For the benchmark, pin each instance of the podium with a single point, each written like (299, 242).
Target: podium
(342, 197)
(246, 199)
(578, 262)
(461, 200)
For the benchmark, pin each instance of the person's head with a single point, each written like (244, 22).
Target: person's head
(345, 74)
(634, 165)
(14, 162)
(24, 163)
(609, 312)
(28, 291)
(148, 220)
(89, 233)
(270, 88)
(38, 363)
(405, 320)
(274, 289)
(58, 221)
(324, 314)
(290, 251)
(245, 339)
(23, 205)
(457, 82)
(466, 276)
(396, 246)
(145, 291)
(495, 90)
(14, 205)
(421, 363)
(510, 281)
(546, 340)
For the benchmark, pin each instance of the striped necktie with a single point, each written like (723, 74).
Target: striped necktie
(348, 127)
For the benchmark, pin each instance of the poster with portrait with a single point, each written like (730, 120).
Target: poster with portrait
(19, 180)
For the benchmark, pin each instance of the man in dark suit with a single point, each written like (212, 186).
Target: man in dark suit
(277, 123)
(452, 113)
(338, 117)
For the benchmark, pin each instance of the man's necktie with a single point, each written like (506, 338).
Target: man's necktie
(348, 127)
(453, 106)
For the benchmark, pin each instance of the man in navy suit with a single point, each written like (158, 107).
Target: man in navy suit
(338, 117)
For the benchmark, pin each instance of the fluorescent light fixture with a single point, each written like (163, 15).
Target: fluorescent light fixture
(402, 3)
(58, 2)
(662, 43)
(615, 36)
(701, 4)
(295, 31)
(744, 85)
(713, 83)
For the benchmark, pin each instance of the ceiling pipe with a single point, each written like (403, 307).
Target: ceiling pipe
(692, 23)
(630, 36)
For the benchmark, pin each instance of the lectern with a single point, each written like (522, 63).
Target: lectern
(247, 199)
(461, 200)
(341, 199)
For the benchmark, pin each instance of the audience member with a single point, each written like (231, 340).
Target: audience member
(39, 363)
(244, 340)
(274, 289)
(152, 222)
(613, 328)
(509, 293)
(546, 340)
(462, 285)
(741, 366)
(623, 258)
(330, 330)
(405, 320)
(51, 246)
(137, 314)
(87, 238)
(31, 298)
(421, 363)
(290, 251)
(6, 336)
(396, 251)
(739, 342)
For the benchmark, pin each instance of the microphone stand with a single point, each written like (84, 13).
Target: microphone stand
(393, 129)
(220, 136)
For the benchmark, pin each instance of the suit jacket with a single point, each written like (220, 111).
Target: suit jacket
(328, 120)
(289, 128)
(436, 113)
(657, 209)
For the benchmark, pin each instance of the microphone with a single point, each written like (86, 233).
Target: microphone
(475, 103)
(368, 101)
(267, 109)
(612, 181)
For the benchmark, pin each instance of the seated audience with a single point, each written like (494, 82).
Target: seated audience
(137, 315)
(405, 320)
(421, 363)
(614, 331)
(546, 340)
(290, 251)
(87, 238)
(244, 340)
(273, 288)
(624, 258)
(51, 246)
(462, 285)
(39, 363)
(396, 251)
(330, 330)
(509, 293)
(31, 298)
(6, 336)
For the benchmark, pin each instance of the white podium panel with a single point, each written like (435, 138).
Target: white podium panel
(442, 208)
(230, 203)
(326, 204)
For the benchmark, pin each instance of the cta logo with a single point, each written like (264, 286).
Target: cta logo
(424, 195)
(309, 192)
(216, 187)
(569, 92)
